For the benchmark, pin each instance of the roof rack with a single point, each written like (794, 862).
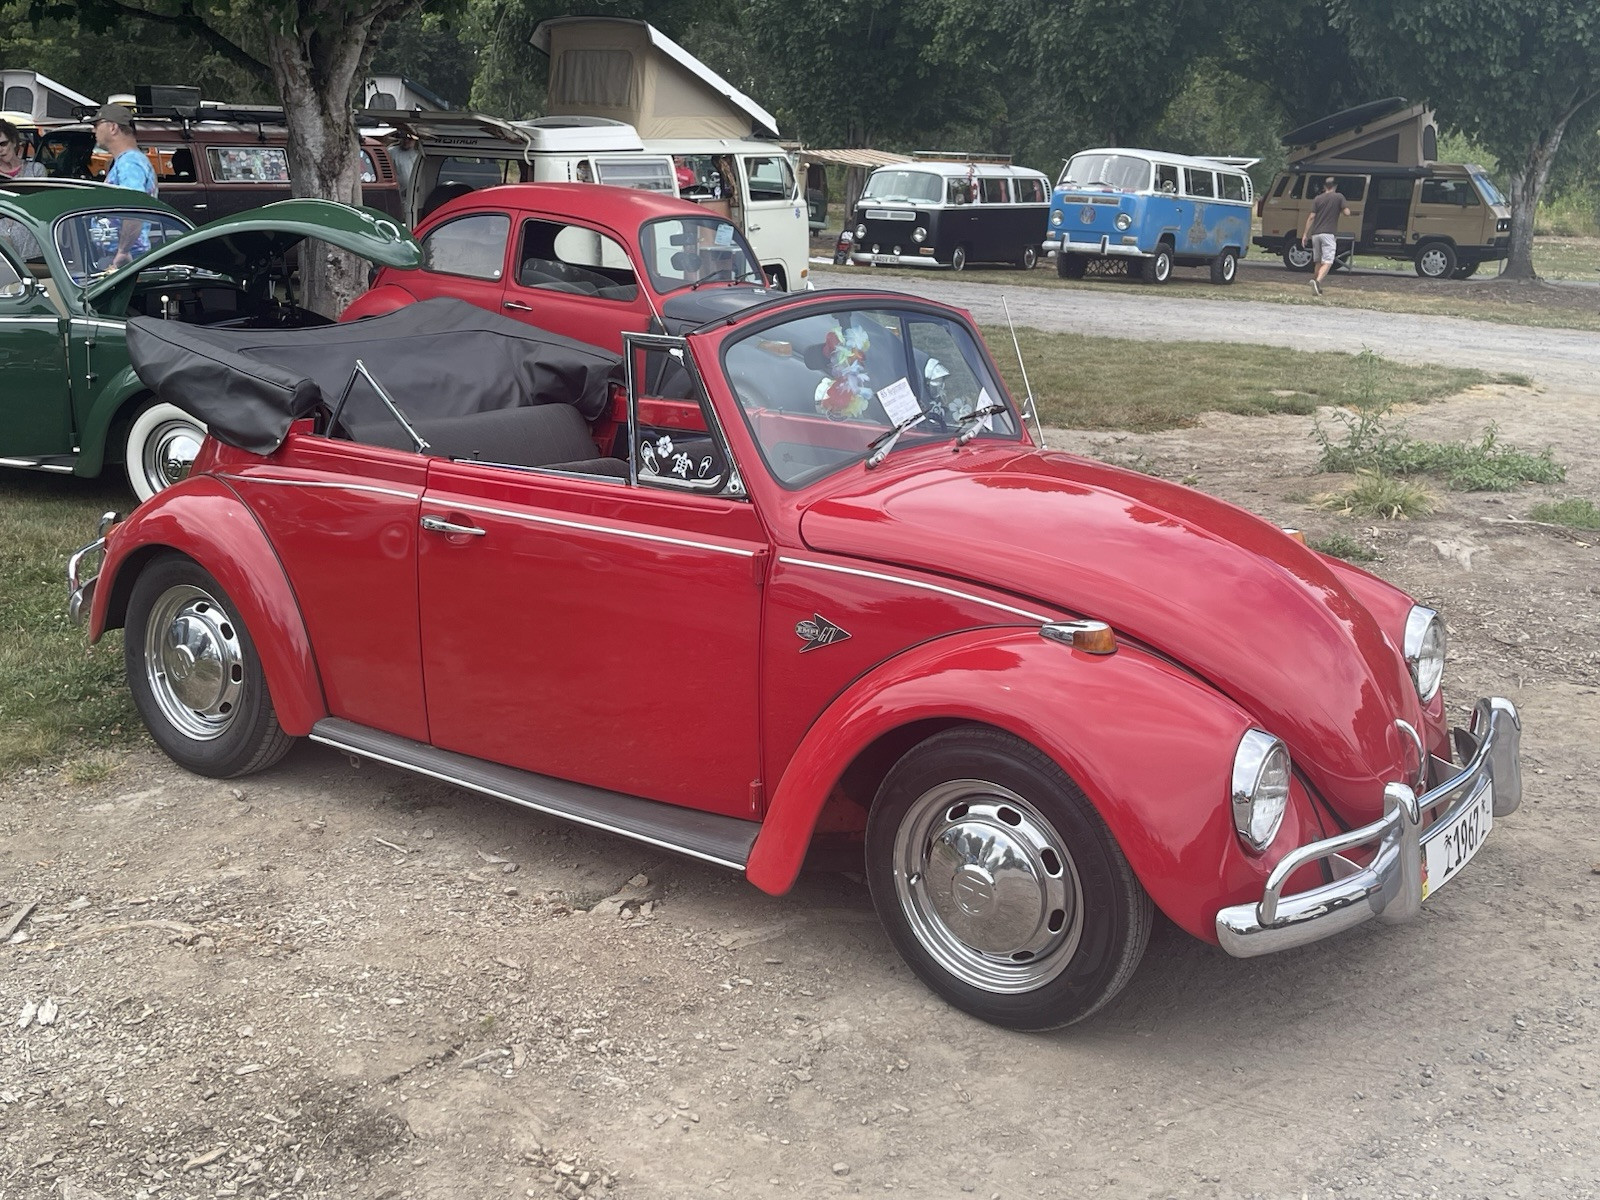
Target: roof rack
(1003, 160)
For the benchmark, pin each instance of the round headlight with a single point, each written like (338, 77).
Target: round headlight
(1055, 217)
(1260, 789)
(1424, 650)
(919, 235)
(1123, 220)
(861, 232)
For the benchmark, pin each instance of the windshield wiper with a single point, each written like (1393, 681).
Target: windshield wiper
(733, 276)
(884, 442)
(973, 421)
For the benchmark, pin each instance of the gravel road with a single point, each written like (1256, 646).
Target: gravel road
(1553, 357)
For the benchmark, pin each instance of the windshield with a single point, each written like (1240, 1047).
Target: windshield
(680, 252)
(918, 187)
(96, 243)
(820, 390)
(1121, 172)
(1490, 192)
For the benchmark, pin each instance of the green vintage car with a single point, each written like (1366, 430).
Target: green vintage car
(69, 401)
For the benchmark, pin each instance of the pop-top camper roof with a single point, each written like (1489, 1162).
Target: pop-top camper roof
(1384, 133)
(630, 71)
(40, 97)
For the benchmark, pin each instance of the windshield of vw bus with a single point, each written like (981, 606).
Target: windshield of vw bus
(904, 187)
(682, 252)
(1120, 172)
(1490, 193)
(829, 390)
(96, 243)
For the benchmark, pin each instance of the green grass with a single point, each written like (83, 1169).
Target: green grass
(59, 698)
(1376, 495)
(1483, 466)
(1579, 514)
(1084, 382)
(1342, 545)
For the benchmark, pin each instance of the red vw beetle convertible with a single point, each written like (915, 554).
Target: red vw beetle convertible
(803, 567)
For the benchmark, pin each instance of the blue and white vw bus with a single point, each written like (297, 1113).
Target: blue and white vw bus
(1152, 210)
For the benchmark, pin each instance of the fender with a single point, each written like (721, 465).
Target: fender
(101, 415)
(380, 301)
(1151, 746)
(204, 519)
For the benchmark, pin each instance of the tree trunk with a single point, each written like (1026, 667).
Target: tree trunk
(319, 75)
(1526, 185)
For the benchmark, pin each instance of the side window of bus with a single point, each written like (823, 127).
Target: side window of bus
(1233, 187)
(960, 190)
(1283, 185)
(1351, 187)
(995, 191)
(1166, 178)
(771, 178)
(1032, 191)
(1200, 183)
(1299, 188)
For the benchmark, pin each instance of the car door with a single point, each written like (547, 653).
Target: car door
(1447, 207)
(601, 630)
(36, 401)
(465, 257)
(574, 279)
(774, 218)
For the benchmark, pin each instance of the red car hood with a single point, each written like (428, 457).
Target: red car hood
(1256, 614)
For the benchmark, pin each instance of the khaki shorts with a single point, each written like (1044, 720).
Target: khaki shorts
(1323, 248)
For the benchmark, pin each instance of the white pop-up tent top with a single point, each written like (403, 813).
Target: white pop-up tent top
(630, 71)
(39, 97)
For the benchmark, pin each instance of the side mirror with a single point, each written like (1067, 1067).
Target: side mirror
(23, 288)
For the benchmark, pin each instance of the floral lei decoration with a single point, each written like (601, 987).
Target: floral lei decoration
(847, 391)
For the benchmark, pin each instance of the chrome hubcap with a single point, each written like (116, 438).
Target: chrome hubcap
(169, 453)
(1433, 262)
(987, 886)
(193, 662)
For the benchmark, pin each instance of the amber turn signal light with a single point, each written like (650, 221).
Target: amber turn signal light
(1092, 637)
(1297, 534)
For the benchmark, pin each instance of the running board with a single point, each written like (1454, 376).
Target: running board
(725, 841)
(61, 464)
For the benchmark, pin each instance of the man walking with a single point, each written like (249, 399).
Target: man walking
(130, 168)
(1322, 226)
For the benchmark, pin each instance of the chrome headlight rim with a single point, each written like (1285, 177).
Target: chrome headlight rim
(1259, 790)
(919, 235)
(861, 231)
(1424, 649)
(1123, 222)
(1055, 217)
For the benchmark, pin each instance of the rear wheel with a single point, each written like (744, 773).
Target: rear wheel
(1465, 271)
(1071, 266)
(958, 260)
(160, 449)
(1297, 256)
(194, 673)
(1225, 267)
(999, 883)
(1435, 260)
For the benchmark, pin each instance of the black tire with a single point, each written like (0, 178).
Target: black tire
(195, 675)
(1158, 267)
(1225, 267)
(958, 259)
(973, 813)
(1297, 256)
(1435, 260)
(1071, 266)
(1029, 258)
(1465, 271)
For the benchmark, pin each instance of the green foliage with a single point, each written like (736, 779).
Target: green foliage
(1580, 514)
(1220, 112)
(1374, 494)
(1370, 446)
(436, 50)
(1342, 545)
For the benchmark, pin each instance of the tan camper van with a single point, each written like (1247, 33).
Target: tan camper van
(1446, 219)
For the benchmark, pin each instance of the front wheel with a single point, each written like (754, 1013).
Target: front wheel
(1071, 266)
(1158, 267)
(1000, 885)
(958, 260)
(1029, 258)
(1225, 267)
(1297, 256)
(161, 448)
(194, 673)
(1435, 260)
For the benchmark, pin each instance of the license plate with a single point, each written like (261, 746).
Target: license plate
(886, 259)
(1452, 847)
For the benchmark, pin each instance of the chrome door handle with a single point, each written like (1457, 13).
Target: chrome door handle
(752, 229)
(517, 306)
(435, 524)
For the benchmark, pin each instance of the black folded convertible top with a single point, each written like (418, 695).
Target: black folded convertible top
(436, 358)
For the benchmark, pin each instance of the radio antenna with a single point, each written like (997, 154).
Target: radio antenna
(1033, 409)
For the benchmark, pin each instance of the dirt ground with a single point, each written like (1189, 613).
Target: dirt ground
(327, 981)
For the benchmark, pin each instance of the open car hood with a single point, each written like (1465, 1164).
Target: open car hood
(233, 244)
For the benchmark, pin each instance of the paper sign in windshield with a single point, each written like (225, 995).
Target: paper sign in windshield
(899, 401)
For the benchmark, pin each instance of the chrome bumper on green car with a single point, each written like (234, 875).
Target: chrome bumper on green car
(1393, 884)
(80, 591)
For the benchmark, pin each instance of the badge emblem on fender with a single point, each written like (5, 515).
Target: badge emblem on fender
(819, 631)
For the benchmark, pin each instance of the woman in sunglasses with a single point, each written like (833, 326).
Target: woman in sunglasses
(12, 164)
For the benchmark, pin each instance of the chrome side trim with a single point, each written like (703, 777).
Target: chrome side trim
(563, 523)
(920, 584)
(50, 321)
(723, 841)
(1390, 886)
(34, 464)
(321, 483)
(97, 324)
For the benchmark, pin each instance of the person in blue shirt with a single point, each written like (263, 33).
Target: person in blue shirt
(113, 133)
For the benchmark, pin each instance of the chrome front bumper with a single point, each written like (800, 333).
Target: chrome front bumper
(80, 591)
(863, 259)
(1390, 886)
(1104, 248)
